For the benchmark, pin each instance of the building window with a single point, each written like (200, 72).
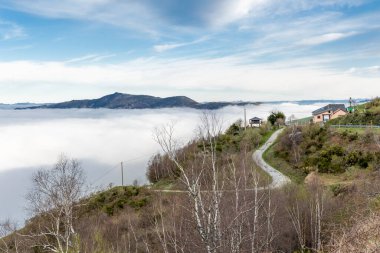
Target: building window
(319, 116)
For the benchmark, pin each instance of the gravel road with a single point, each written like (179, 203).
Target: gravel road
(278, 179)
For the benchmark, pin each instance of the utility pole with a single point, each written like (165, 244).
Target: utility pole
(245, 118)
(122, 173)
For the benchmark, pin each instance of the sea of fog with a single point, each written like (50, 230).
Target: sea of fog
(100, 139)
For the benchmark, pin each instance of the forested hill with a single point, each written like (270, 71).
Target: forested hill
(128, 101)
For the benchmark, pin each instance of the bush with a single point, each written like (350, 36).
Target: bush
(276, 117)
(234, 129)
(160, 167)
(352, 158)
(353, 137)
(252, 137)
(330, 159)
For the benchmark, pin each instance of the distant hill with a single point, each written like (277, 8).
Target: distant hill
(18, 106)
(128, 101)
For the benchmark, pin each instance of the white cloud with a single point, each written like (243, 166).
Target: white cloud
(225, 12)
(295, 35)
(130, 14)
(365, 71)
(90, 58)
(226, 78)
(168, 46)
(10, 30)
(165, 47)
(325, 38)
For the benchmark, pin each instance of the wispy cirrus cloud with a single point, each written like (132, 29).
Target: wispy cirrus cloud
(168, 46)
(136, 15)
(224, 12)
(325, 38)
(90, 58)
(297, 36)
(10, 30)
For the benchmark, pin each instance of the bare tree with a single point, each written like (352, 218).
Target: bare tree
(206, 205)
(317, 208)
(296, 137)
(9, 240)
(229, 208)
(299, 224)
(53, 201)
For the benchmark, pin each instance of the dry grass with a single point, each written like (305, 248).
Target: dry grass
(363, 236)
(348, 177)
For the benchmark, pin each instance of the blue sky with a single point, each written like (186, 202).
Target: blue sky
(56, 50)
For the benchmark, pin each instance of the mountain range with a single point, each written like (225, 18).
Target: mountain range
(127, 101)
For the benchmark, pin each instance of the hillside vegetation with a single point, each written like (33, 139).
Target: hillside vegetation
(330, 150)
(347, 163)
(208, 196)
(321, 149)
(235, 144)
(365, 114)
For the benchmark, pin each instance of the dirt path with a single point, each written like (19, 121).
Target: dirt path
(278, 179)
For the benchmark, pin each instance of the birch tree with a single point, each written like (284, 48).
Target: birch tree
(53, 201)
(9, 239)
(229, 209)
(205, 205)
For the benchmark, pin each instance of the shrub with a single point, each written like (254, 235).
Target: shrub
(160, 167)
(329, 159)
(337, 164)
(234, 129)
(353, 136)
(252, 137)
(352, 158)
(275, 116)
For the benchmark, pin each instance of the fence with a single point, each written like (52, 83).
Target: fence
(355, 126)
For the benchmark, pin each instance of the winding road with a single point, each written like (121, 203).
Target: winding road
(278, 179)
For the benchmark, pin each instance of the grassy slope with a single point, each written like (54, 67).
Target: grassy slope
(281, 165)
(365, 114)
(265, 178)
(356, 130)
(298, 176)
(371, 109)
(117, 198)
(302, 121)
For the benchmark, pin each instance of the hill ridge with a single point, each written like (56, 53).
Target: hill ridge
(119, 100)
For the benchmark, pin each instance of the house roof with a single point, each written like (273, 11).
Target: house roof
(255, 118)
(330, 107)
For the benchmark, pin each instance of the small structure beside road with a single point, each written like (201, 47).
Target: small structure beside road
(255, 122)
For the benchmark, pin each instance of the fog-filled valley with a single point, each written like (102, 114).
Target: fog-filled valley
(100, 139)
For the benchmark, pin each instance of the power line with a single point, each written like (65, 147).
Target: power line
(139, 158)
(118, 166)
(105, 174)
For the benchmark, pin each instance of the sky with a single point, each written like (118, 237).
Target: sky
(209, 50)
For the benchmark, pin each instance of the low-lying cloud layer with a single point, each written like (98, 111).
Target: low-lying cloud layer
(100, 139)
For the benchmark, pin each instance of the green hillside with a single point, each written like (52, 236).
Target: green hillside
(365, 114)
(216, 195)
